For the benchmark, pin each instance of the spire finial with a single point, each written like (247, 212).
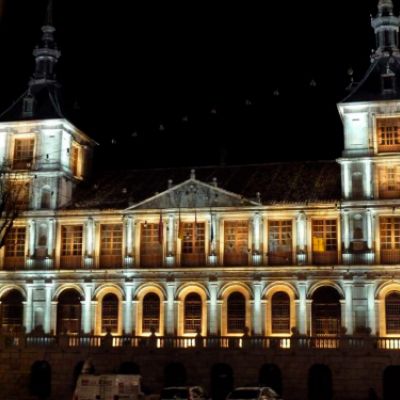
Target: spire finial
(48, 21)
(386, 26)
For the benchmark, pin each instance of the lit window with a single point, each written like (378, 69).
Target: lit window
(236, 313)
(151, 313)
(236, 243)
(75, 159)
(15, 248)
(324, 241)
(109, 314)
(150, 246)
(280, 310)
(193, 245)
(71, 246)
(111, 245)
(23, 153)
(279, 242)
(192, 313)
(388, 132)
(389, 229)
(389, 181)
(392, 308)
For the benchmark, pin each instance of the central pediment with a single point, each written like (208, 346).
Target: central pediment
(194, 194)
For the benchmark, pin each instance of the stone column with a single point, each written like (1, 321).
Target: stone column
(129, 246)
(47, 308)
(302, 309)
(170, 309)
(257, 311)
(371, 308)
(170, 259)
(53, 318)
(213, 250)
(127, 309)
(32, 238)
(301, 234)
(28, 310)
(50, 238)
(309, 317)
(348, 308)
(89, 244)
(257, 256)
(87, 318)
(213, 308)
(346, 231)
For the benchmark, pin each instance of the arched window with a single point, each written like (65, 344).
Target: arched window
(326, 316)
(69, 312)
(151, 313)
(109, 314)
(192, 313)
(236, 313)
(392, 307)
(280, 313)
(12, 310)
(45, 198)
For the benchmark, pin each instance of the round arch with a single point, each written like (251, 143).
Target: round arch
(7, 288)
(182, 293)
(225, 292)
(381, 294)
(99, 295)
(269, 292)
(140, 294)
(67, 286)
(313, 288)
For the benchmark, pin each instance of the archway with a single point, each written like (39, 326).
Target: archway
(12, 311)
(326, 315)
(69, 312)
(174, 374)
(270, 375)
(391, 377)
(221, 381)
(319, 382)
(40, 379)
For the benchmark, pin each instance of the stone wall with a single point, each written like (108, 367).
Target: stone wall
(353, 372)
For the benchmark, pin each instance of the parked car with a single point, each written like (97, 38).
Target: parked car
(183, 393)
(253, 393)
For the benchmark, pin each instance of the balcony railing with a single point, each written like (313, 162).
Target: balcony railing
(207, 342)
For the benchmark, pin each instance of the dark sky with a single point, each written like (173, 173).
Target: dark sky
(165, 84)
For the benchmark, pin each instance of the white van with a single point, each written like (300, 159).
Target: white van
(108, 387)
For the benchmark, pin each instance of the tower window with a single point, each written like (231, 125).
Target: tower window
(75, 160)
(388, 131)
(23, 153)
(389, 181)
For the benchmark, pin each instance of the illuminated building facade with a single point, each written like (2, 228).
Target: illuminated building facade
(310, 249)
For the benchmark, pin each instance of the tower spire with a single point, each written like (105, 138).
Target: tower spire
(46, 54)
(386, 28)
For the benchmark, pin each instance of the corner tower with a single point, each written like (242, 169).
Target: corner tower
(38, 145)
(370, 163)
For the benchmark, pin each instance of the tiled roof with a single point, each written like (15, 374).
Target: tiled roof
(276, 182)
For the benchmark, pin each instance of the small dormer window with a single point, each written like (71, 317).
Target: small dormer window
(388, 134)
(388, 83)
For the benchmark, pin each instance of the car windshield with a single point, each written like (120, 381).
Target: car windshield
(174, 393)
(244, 394)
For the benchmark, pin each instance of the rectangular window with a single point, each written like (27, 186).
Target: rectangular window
(111, 245)
(324, 241)
(150, 246)
(71, 246)
(388, 132)
(389, 228)
(23, 153)
(75, 160)
(389, 182)
(279, 242)
(19, 193)
(193, 243)
(15, 248)
(236, 241)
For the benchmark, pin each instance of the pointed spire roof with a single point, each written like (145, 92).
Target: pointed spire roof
(382, 79)
(42, 98)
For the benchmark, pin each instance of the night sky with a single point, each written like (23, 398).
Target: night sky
(185, 85)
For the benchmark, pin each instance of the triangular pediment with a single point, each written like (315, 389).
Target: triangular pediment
(194, 194)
